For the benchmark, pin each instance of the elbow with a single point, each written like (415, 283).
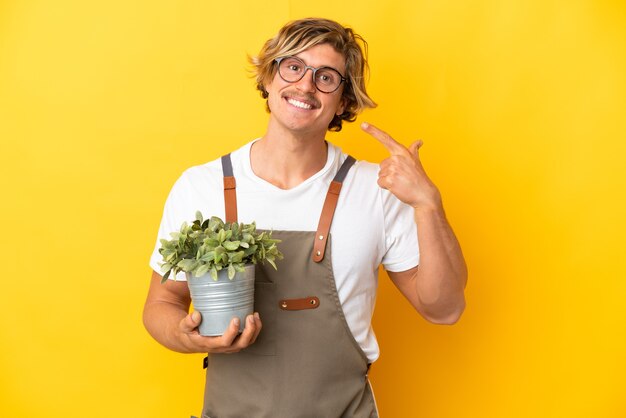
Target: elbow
(147, 320)
(448, 316)
(444, 320)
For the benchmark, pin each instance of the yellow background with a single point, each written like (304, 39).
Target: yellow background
(522, 108)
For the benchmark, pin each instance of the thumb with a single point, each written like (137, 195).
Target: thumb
(191, 321)
(415, 146)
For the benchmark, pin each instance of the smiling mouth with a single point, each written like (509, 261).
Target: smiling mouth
(301, 104)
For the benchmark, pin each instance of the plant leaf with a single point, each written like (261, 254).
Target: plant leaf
(236, 257)
(215, 223)
(209, 256)
(231, 245)
(202, 270)
(271, 261)
(187, 264)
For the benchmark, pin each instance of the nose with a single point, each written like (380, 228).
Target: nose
(307, 83)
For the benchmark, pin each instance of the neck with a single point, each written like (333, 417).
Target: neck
(286, 159)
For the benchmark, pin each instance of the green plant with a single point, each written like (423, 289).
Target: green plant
(212, 245)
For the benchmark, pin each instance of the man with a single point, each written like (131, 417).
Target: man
(338, 221)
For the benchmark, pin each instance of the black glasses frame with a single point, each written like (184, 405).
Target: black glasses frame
(313, 69)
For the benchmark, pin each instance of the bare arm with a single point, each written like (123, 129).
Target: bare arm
(436, 287)
(166, 317)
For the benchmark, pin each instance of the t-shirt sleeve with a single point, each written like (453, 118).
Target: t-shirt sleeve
(179, 208)
(402, 248)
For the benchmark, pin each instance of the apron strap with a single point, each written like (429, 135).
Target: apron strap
(328, 210)
(230, 194)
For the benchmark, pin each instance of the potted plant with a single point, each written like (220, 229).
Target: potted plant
(218, 259)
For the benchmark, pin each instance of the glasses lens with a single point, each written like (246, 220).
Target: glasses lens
(291, 69)
(327, 79)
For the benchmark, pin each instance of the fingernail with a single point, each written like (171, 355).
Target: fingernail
(256, 315)
(195, 316)
(365, 125)
(236, 322)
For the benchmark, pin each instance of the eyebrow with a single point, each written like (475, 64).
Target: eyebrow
(321, 66)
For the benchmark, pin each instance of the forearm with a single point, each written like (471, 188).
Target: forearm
(162, 320)
(166, 306)
(442, 274)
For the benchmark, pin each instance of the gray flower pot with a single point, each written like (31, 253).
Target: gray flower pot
(220, 301)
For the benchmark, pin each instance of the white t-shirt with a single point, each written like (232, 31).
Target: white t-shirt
(370, 225)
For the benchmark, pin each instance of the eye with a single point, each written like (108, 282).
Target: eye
(292, 65)
(327, 77)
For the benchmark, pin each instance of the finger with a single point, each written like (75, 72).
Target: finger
(231, 333)
(190, 322)
(384, 182)
(396, 161)
(393, 146)
(259, 325)
(245, 339)
(389, 170)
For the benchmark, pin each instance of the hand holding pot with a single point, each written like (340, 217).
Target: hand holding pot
(230, 342)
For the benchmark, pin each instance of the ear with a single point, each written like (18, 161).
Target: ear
(341, 107)
(267, 85)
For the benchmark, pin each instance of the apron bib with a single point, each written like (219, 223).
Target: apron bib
(305, 362)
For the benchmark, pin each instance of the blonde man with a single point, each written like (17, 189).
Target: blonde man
(308, 349)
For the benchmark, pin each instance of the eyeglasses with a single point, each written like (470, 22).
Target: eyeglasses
(293, 69)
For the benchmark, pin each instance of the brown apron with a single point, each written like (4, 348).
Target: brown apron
(305, 362)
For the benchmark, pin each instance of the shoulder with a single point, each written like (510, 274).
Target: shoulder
(362, 179)
(209, 173)
(198, 177)
(365, 171)
(362, 171)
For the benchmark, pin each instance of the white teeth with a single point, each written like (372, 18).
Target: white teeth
(299, 104)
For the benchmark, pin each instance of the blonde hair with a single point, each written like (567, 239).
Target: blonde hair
(300, 35)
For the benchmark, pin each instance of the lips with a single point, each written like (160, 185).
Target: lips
(306, 103)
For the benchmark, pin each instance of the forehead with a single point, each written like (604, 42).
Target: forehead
(323, 55)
